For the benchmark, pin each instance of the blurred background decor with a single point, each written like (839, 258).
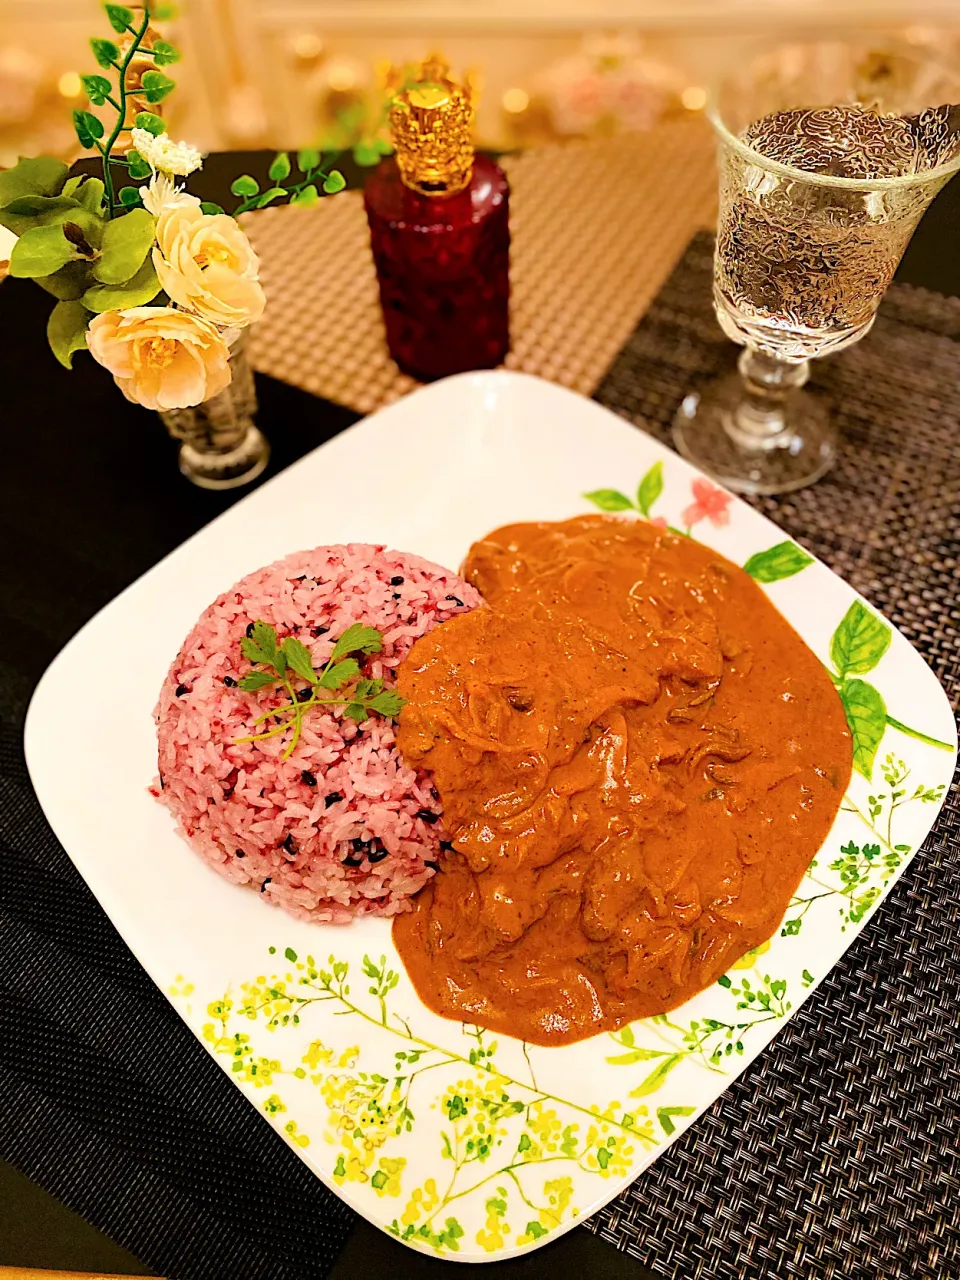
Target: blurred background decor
(272, 73)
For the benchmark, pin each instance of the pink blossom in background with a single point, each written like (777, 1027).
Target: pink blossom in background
(710, 503)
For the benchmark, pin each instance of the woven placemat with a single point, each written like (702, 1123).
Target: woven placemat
(596, 228)
(835, 1154)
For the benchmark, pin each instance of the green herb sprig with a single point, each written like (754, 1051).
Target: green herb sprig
(281, 663)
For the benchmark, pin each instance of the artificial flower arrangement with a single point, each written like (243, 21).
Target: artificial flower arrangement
(154, 282)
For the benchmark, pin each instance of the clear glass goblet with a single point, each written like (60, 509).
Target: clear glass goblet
(804, 256)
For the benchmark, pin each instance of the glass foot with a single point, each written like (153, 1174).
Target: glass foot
(225, 468)
(716, 432)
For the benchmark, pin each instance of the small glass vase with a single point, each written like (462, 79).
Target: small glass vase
(221, 447)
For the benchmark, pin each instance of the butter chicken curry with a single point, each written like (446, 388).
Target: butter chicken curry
(637, 758)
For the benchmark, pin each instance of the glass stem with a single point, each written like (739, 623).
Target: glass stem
(760, 420)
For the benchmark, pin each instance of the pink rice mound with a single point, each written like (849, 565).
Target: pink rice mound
(343, 827)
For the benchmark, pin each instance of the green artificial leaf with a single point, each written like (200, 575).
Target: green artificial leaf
(69, 283)
(129, 197)
(307, 159)
(88, 127)
(389, 703)
(36, 211)
(280, 168)
(97, 89)
(609, 500)
(106, 52)
(651, 487)
(39, 176)
(136, 292)
(357, 638)
(119, 17)
(40, 252)
(867, 718)
(126, 243)
(777, 562)
(255, 680)
(334, 182)
(665, 1116)
(208, 206)
(384, 146)
(636, 1055)
(151, 122)
(269, 196)
(245, 185)
(656, 1077)
(298, 659)
(366, 154)
(67, 330)
(164, 53)
(162, 12)
(90, 195)
(340, 673)
(307, 196)
(859, 642)
(137, 167)
(155, 85)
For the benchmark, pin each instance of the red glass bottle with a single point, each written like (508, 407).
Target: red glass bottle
(439, 229)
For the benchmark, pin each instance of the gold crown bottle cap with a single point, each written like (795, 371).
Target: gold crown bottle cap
(431, 120)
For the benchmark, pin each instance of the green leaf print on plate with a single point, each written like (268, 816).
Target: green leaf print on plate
(610, 500)
(859, 642)
(862, 872)
(650, 489)
(857, 646)
(778, 562)
(867, 720)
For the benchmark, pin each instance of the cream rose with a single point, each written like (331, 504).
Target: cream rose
(206, 264)
(159, 357)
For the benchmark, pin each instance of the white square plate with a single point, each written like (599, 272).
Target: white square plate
(454, 1141)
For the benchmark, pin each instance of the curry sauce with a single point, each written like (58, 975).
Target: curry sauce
(637, 758)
